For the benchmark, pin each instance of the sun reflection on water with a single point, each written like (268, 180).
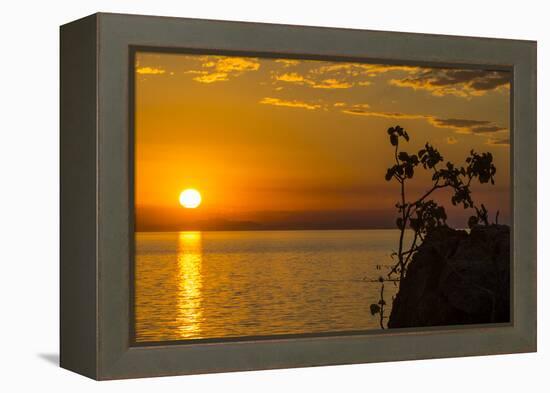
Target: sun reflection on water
(189, 283)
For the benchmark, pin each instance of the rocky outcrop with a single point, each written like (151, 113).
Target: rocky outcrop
(456, 278)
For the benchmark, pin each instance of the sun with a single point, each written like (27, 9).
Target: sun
(190, 198)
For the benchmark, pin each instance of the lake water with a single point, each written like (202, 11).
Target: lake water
(194, 285)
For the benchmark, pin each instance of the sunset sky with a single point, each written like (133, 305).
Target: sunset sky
(296, 144)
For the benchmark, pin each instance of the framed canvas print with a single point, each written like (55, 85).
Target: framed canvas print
(239, 196)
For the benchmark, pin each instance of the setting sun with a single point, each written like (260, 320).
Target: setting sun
(190, 198)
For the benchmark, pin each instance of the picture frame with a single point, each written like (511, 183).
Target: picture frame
(96, 196)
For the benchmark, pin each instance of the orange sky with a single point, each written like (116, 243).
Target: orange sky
(278, 143)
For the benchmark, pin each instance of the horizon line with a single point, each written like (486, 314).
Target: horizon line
(268, 229)
(291, 230)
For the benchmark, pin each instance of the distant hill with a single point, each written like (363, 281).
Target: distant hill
(159, 219)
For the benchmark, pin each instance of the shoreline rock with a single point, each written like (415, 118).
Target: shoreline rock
(456, 278)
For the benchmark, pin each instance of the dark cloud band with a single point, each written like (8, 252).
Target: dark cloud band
(456, 82)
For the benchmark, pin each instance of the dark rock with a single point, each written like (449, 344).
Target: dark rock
(456, 278)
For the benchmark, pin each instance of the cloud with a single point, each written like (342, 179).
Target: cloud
(359, 110)
(461, 126)
(294, 77)
(222, 68)
(451, 140)
(332, 84)
(361, 69)
(467, 126)
(287, 103)
(288, 62)
(211, 78)
(460, 123)
(488, 129)
(461, 83)
(233, 64)
(501, 141)
(335, 75)
(150, 71)
(438, 81)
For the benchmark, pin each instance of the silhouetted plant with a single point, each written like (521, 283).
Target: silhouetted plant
(423, 215)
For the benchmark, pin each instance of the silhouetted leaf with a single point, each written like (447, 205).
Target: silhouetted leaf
(409, 171)
(399, 223)
(403, 156)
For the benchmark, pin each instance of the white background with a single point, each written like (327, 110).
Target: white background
(29, 193)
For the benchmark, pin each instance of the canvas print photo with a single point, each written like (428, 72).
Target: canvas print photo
(288, 196)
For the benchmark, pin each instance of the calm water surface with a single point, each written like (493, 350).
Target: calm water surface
(192, 285)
